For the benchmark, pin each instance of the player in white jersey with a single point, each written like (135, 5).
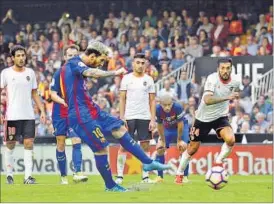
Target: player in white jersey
(220, 88)
(138, 110)
(21, 87)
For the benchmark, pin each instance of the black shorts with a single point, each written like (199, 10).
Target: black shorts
(142, 128)
(201, 129)
(15, 129)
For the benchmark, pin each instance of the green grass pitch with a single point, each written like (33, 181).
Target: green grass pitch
(239, 189)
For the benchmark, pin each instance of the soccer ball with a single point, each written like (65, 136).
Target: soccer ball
(216, 177)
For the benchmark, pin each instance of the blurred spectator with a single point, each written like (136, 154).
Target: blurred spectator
(149, 17)
(151, 70)
(205, 42)
(94, 23)
(162, 46)
(114, 89)
(165, 70)
(219, 33)
(194, 49)
(167, 90)
(245, 128)
(148, 30)
(263, 106)
(111, 18)
(185, 86)
(116, 61)
(178, 61)
(154, 51)
(123, 45)
(44, 42)
(111, 39)
(162, 31)
(142, 44)
(252, 47)
(261, 122)
(246, 92)
(264, 34)
(262, 23)
(237, 120)
(267, 46)
(9, 26)
(176, 40)
(189, 29)
(236, 47)
(36, 50)
(206, 26)
(129, 59)
(164, 58)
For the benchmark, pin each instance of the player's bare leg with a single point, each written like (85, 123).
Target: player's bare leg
(61, 158)
(192, 148)
(121, 160)
(77, 161)
(228, 136)
(28, 160)
(9, 161)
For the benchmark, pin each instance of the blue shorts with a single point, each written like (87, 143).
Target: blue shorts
(171, 135)
(93, 132)
(61, 128)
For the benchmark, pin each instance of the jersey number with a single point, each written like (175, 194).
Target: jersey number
(98, 133)
(194, 132)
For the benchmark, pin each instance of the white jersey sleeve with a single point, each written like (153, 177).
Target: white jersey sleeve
(34, 81)
(210, 83)
(124, 83)
(151, 85)
(3, 79)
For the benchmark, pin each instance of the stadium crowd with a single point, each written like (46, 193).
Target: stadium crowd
(166, 39)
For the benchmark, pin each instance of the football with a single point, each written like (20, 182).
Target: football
(216, 177)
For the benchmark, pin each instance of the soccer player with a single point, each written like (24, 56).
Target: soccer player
(170, 124)
(61, 129)
(21, 86)
(86, 118)
(220, 88)
(137, 110)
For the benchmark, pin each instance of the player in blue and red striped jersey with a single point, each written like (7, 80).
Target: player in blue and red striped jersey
(61, 129)
(86, 118)
(171, 125)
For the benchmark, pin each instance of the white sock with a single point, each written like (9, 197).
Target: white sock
(183, 163)
(9, 161)
(225, 151)
(146, 173)
(28, 162)
(121, 160)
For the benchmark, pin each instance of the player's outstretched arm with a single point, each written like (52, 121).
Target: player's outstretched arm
(209, 99)
(97, 73)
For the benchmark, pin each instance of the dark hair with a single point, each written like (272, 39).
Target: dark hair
(73, 46)
(224, 60)
(140, 55)
(92, 51)
(16, 48)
